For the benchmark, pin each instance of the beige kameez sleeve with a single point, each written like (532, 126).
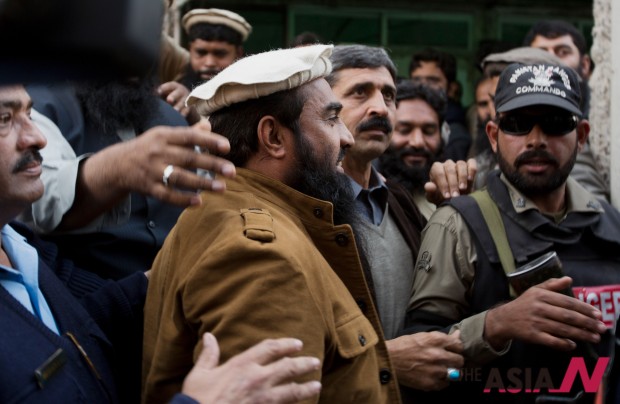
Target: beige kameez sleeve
(59, 177)
(444, 278)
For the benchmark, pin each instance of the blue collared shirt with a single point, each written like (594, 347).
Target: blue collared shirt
(371, 202)
(22, 281)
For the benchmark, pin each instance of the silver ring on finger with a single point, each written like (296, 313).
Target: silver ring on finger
(167, 173)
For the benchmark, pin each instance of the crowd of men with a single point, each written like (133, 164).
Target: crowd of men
(301, 225)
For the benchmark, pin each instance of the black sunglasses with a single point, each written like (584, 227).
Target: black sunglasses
(552, 124)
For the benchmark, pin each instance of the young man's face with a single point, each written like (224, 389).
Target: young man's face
(417, 135)
(430, 74)
(539, 161)
(564, 48)
(208, 58)
(485, 91)
(20, 142)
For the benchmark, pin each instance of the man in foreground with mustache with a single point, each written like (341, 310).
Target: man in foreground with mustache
(460, 282)
(363, 79)
(55, 348)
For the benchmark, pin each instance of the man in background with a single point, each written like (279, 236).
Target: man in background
(416, 143)
(563, 40)
(216, 39)
(438, 69)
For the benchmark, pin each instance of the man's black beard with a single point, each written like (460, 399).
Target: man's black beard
(532, 185)
(315, 177)
(411, 177)
(113, 105)
(192, 79)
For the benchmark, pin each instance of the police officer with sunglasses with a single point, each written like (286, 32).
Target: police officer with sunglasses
(511, 340)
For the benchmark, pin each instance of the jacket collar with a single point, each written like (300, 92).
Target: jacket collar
(306, 208)
(582, 212)
(578, 199)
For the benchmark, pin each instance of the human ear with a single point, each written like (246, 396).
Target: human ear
(271, 137)
(586, 66)
(583, 131)
(492, 133)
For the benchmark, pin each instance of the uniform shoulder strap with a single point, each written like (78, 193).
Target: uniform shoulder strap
(494, 222)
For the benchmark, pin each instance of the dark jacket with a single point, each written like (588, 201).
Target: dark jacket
(106, 326)
(587, 244)
(408, 218)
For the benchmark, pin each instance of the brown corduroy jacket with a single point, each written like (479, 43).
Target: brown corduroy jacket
(264, 261)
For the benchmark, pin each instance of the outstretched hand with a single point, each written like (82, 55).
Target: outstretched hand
(450, 179)
(261, 374)
(161, 162)
(543, 316)
(140, 163)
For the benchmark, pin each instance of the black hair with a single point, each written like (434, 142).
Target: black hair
(306, 38)
(214, 32)
(445, 61)
(555, 29)
(409, 90)
(238, 122)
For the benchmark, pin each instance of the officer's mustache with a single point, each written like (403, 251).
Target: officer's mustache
(533, 156)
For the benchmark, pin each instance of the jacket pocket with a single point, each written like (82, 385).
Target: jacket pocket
(355, 337)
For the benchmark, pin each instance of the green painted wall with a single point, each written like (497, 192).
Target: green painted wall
(404, 27)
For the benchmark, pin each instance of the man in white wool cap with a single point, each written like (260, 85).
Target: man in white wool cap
(276, 254)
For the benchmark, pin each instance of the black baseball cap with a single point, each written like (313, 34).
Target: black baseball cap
(523, 85)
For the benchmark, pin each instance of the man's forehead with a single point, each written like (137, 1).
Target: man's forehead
(484, 89)
(417, 105)
(320, 94)
(377, 75)
(543, 41)
(14, 96)
(212, 44)
(429, 66)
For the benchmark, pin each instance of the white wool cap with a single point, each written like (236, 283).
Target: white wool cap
(217, 16)
(260, 75)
